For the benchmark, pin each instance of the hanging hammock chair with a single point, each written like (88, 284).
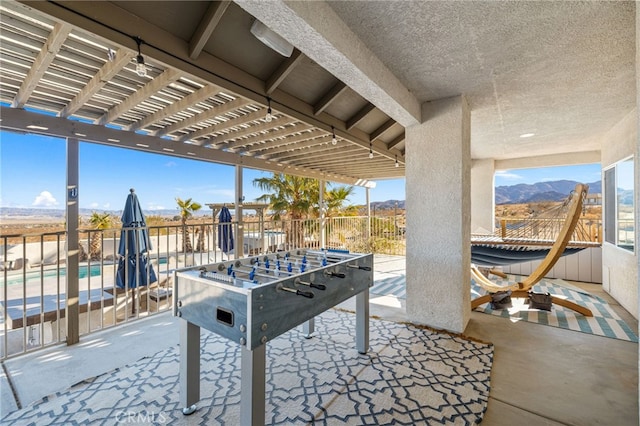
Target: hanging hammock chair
(493, 252)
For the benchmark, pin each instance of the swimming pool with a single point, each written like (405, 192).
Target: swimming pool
(35, 276)
(84, 271)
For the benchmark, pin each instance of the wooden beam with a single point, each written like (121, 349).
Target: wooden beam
(283, 145)
(283, 71)
(288, 130)
(261, 127)
(206, 26)
(40, 65)
(396, 141)
(360, 115)
(380, 130)
(329, 97)
(145, 92)
(189, 100)
(204, 116)
(97, 82)
(322, 152)
(219, 127)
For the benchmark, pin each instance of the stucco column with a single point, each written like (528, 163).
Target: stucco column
(438, 203)
(482, 195)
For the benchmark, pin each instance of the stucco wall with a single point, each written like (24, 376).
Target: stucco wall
(438, 171)
(482, 196)
(620, 267)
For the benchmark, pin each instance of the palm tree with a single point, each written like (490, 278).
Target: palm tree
(335, 198)
(187, 208)
(298, 198)
(98, 221)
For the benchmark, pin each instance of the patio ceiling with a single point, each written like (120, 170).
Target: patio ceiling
(563, 70)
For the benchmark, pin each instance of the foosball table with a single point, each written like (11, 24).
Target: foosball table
(254, 300)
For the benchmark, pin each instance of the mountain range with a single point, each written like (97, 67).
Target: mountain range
(556, 190)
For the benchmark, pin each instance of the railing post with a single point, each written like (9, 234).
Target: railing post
(368, 217)
(73, 252)
(239, 243)
(323, 239)
(503, 228)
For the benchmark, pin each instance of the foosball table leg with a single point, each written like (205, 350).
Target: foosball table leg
(362, 321)
(252, 386)
(308, 328)
(189, 366)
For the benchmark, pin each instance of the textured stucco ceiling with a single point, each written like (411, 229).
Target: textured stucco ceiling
(562, 70)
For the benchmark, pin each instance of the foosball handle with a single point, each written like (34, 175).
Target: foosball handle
(319, 286)
(337, 274)
(307, 294)
(364, 268)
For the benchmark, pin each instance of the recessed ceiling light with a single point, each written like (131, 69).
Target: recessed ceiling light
(527, 135)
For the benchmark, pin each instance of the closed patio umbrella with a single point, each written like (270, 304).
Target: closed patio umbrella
(134, 269)
(225, 231)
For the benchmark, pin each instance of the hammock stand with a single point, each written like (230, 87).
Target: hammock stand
(521, 289)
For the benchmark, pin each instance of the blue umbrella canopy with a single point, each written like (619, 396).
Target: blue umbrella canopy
(225, 231)
(133, 266)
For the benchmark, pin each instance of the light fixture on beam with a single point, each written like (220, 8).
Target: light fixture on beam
(334, 141)
(271, 38)
(397, 165)
(141, 68)
(269, 116)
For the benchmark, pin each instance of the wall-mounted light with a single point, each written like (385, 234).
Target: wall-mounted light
(269, 116)
(370, 150)
(334, 141)
(141, 68)
(271, 38)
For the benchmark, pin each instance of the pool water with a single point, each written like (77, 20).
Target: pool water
(84, 271)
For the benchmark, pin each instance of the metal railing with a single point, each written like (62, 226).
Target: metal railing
(587, 230)
(33, 276)
(34, 279)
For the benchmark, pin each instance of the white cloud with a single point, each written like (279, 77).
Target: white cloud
(507, 175)
(170, 164)
(152, 206)
(106, 206)
(94, 205)
(45, 199)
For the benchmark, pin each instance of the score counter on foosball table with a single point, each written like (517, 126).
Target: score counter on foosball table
(254, 300)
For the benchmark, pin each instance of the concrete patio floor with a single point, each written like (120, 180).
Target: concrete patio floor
(541, 375)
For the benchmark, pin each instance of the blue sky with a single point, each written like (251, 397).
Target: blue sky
(584, 173)
(32, 174)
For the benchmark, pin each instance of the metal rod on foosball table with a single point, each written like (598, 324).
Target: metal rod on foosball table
(310, 263)
(267, 269)
(271, 277)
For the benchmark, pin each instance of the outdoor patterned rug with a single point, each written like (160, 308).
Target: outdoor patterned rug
(605, 322)
(410, 376)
